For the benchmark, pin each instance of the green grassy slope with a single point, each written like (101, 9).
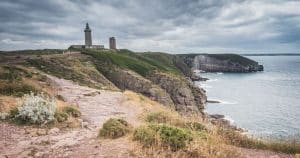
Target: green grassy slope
(141, 63)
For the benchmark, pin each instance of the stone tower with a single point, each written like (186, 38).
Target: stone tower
(88, 36)
(112, 43)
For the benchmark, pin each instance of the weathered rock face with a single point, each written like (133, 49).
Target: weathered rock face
(221, 63)
(212, 64)
(126, 79)
(184, 94)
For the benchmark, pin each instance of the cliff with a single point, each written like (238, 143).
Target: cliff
(221, 63)
(162, 77)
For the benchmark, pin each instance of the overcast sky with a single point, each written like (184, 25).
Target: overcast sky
(174, 26)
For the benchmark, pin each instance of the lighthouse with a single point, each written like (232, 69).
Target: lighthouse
(88, 36)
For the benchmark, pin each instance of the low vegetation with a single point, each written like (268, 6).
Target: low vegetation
(141, 63)
(40, 109)
(35, 109)
(237, 139)
(114, 128)
(166, 135)
(169, 134)
(77, 68)
(12, 81)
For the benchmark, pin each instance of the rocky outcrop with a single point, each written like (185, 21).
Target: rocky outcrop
(221, 63)
(185, 95)
(126, 79)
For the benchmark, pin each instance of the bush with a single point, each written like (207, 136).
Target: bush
(114, 128)
(144, 135)
(173, 137)
(36, 109)
(61, 116)
(72, 111)
(169, 136)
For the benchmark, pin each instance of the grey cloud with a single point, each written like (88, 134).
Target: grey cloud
(169, 25)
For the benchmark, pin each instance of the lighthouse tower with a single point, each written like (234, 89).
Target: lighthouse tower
(88, 36)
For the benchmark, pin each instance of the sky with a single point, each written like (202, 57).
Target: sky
(173, 26)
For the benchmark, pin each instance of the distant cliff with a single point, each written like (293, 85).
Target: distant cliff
(221, 63)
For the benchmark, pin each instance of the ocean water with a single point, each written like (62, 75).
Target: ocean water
(267, 103)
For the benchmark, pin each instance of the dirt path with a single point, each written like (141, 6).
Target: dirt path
(96, 107)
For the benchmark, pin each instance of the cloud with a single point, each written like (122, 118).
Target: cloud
(175, 26)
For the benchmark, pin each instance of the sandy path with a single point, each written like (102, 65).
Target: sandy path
(96, 107)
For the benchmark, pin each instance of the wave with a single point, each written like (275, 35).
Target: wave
(228, 103)
(224, 102)
(205, 86)
(219, 73)
(212, 80)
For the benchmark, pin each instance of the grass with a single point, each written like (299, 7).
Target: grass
(229, 57)
(114, 128)
(16, 89)
(173, 137)
(141, 63)
(234, 58)
(237, 139)
(71, 111)
(167, 136)
(165, 133)
(12, 81)
(110, 59)
(33, 52)
(76, 68)
(171, 134)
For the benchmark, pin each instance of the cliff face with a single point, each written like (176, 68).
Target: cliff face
(185, 95)
(162, 77)
(222, 63)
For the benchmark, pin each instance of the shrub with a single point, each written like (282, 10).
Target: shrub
(173, 137)
(36, 109)
(169, 136)
(72, 111)
(61, 116)
(114, 128)
(144, 135)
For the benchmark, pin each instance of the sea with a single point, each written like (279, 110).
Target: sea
(266, 104)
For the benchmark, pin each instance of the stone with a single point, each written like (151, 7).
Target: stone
(41, 132)
(217, 116)
(54, 130)
(31, 131)
(213, 101)
(84, 124)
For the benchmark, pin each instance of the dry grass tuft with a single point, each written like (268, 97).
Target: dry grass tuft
(114, 128)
